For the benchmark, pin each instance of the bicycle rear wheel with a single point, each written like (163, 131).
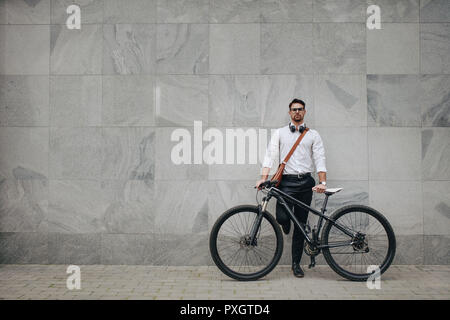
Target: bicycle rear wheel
(231, 250)
(377, 248)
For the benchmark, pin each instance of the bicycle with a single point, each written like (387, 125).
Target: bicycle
(353, 238)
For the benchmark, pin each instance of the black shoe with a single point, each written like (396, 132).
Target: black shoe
(298, 272)
(286, 227)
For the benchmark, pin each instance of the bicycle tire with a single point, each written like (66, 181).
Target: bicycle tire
(218, 259)
(391, 242)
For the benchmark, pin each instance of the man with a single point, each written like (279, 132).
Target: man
(297, 180)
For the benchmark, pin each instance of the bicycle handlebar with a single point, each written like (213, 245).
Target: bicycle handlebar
(267, 184)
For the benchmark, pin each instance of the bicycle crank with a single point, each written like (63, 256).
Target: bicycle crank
(313, 262)
(311, 250)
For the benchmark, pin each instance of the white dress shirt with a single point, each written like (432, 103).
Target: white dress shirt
(309, 153)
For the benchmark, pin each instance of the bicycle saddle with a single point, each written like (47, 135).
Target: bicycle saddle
(331, 191)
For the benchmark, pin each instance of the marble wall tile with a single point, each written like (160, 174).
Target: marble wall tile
(339, 10)
(3, 19)
(75, 101)
(345, 152)
(181, 100)
(27, 12)
(354, 192)
(128, 100)
(235, 100)
(286, 48)
(27, 157)
(400, 202)
(393, 100)
(434, 48)
(234, 11)
(398, 10)
(131, 206)
(129, 48)
(436, 250)
(183, 11)
(410, 250)
(340, 100)
(24, 100)
(129, 153)
(23, 202)
(131, 11)
(339, 48)
(75, 153)
(76, 51)
(77, 206)
(127, 249)
(394, 153)
(394, 49)
(235, 171)
(286, 10)
(155, 249)
(91, 11)
(24, 49)
(183, 48)
(23, 248)
(181, 207)
(234, 48)
(434, 11)
(167, 166)
(74, 248)
(435, 100)
(435, 154)
(436, 207)
(278, 91)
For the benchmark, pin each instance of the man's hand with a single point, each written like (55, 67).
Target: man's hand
(320, 188)
(259, 182)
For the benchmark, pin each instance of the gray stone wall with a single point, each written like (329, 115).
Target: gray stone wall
(86, 118)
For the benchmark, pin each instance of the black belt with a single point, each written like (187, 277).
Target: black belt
(297, 176)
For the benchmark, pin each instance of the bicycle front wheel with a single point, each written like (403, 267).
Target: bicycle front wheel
(232, 251)
(375, 249)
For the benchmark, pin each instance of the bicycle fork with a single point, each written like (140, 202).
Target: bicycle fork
(257, 222)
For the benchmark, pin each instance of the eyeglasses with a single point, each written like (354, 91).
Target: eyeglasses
(297, 109)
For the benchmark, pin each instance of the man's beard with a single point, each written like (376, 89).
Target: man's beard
(294, 118)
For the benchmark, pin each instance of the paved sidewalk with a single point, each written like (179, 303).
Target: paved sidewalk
(154, 282)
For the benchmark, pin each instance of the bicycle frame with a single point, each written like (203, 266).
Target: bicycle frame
(282, 197)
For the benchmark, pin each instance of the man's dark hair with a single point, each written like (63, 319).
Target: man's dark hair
(297, 101)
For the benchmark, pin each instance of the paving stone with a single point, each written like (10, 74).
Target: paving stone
(206, 282)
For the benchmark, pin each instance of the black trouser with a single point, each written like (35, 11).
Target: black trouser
(300, 189)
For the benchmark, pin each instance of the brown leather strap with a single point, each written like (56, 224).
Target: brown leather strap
(295, 146)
